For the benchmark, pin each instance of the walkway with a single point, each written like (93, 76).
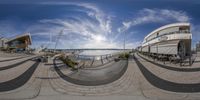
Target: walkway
(93, 77)
(143, 80)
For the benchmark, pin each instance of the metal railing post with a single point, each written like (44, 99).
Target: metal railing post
(101, 59)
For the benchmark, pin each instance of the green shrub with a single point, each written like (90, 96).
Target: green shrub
(68, 62)
(127, 55)
(124, 55)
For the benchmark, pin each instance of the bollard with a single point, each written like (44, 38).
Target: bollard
(101, 59)
(78, 56)
(190, 62)
(107, 57)
(93, 60)
(164, 61)
(181, 62)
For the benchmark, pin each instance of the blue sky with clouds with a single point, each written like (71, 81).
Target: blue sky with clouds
(94, 23)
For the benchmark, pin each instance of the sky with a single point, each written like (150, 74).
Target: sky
(76, 24)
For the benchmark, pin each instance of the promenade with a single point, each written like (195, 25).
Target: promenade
(139, 79)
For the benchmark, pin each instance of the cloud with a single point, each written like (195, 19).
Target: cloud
(93, 11)
(133, 44)
(103, 19)
(155, 16)
(99, 45)
(93, 31)
(90, 31)
(146, 15)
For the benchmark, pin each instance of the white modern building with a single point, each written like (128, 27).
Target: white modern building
(173, 39)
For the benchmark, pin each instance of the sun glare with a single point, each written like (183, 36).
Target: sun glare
(99, 38)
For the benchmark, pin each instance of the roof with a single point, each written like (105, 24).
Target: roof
(21, 36)
(167, 26)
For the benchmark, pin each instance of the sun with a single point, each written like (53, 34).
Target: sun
(99, 38)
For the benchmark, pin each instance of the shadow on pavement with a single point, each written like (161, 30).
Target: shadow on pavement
(171, 68)
(164, 84)
(11, 59)
(20, 80)
(91, 80)
(14, 65)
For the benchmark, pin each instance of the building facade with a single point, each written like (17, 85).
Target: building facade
(3, 44)
(169, 40)
(19, 43)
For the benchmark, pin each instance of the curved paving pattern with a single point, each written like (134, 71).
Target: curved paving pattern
(172, 68)
(95, 77)
(20, 80)
(11, 59)
(127, 85)
(30, 90)
(137, 81)
(164, 84)
(15, 65)
(171, 75)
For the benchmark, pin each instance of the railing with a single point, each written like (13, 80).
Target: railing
(93, 57)
(89, 61)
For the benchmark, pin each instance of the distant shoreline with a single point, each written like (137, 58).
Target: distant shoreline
(89, 49)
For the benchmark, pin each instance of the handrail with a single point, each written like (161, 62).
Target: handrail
(94, 57)
(102, 59)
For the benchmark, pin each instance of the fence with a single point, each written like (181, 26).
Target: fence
(89, 61)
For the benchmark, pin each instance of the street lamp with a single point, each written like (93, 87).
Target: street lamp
(124, 42)
(59, 35)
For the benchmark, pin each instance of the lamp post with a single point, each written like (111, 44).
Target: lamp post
(59, 35)
(124, 42)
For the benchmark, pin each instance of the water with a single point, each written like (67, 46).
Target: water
(97, 54)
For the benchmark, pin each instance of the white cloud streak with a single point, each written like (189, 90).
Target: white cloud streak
(155, 16)
(91, 31)
(93, 11)
(103, 19)
(145, 16)
(133, 44)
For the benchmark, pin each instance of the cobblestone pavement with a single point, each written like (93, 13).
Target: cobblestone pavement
(93, 77)
(167, 74)
(20, 83)
(45, 84)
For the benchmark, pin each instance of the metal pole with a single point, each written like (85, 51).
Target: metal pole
(58, 39)
(101, 59)
(124, 43)
(50, 39)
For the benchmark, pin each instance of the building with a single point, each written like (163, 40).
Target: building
(3, 44)
(19, 43)
(169, 40)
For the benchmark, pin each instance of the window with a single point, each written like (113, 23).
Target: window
(157, 34)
